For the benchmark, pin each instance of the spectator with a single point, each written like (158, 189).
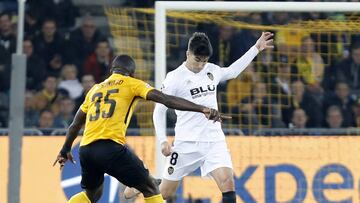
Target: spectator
(257, 110)
(7, 37)
(31, 114)
(46, 97)
(4, 109)
(35, 67)
(226, 46)
(287, 41)
(49, 45)
(65, 116)
(349, 69)
(60, 95)
(82, 41)
(240, 87)
(310, 65)
(5, 70)
(248, 37)
(70, 82)
(62, 11)
(301, 99)
(281, 81)
(32, 24)
(298, 119)
(87, 82)
(46, 119)
(97, 63)
(334, 118)
(356, 110)
(344, 101)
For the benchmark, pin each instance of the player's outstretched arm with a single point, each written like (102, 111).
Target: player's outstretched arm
(183, 104)
(71, 134)
(265, 41)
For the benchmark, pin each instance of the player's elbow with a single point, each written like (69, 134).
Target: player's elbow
(167, 101)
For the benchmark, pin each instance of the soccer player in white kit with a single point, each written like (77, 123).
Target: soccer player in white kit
(199, 142)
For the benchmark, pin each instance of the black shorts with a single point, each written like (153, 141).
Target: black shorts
(107, 156)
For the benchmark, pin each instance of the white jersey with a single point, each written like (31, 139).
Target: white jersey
(199, 88)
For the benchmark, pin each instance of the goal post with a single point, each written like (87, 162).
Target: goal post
(162, 7)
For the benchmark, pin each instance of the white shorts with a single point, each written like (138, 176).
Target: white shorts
(186, 157)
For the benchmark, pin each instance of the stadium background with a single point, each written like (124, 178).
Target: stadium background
(309, 85)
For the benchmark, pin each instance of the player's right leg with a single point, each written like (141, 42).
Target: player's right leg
(131, 192)
(130, 170)
(92, 176)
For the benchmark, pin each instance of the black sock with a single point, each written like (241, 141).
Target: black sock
(229, 197)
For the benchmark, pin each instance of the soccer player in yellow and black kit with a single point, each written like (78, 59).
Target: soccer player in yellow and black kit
(106, 113)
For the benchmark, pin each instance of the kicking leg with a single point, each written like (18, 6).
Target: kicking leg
(225, 181)
(150, 190)
(131, 192)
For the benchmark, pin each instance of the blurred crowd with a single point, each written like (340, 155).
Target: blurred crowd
(63, 61)
(298, 85)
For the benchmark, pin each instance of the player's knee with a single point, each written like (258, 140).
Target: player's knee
(227, 184)
(149, 188)
(94, 194)
(167, 191)
(167, 194)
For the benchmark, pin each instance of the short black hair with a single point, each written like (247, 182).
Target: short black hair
(6, 13)
(199, 45)
(49, 20)
(123, 64)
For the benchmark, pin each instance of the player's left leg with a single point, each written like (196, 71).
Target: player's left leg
(224, 178)
(130, 170)
(218, 164)
(92, 161)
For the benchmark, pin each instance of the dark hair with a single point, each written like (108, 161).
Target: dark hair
(199, 45)
(103, 41)
(123, 64)
(49, 20)
(6, 13)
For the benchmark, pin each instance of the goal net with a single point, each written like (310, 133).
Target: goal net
(307, 46)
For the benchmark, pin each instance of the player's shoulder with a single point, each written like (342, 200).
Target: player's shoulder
(131, 81)
(212, 66)
(176, 73)
(93, 89)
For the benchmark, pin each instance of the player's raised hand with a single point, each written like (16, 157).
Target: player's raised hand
(62, 158)
(265, 41)
(166, 148)
(213, 114)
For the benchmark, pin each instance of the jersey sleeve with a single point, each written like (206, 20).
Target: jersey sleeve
(168, 85)
(141, 88)
(239, 65)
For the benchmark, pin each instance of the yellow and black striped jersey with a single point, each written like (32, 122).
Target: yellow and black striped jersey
(109, 106)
